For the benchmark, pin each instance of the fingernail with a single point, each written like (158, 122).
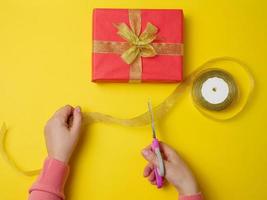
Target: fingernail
(78, 109)
(145, 152)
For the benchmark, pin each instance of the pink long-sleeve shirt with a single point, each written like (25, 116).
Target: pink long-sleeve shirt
(51, 182)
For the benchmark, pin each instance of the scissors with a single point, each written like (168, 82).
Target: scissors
(159, 171)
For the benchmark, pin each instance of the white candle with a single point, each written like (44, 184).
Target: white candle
(215, 90)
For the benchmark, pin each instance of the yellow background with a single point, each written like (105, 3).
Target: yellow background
(45, 62)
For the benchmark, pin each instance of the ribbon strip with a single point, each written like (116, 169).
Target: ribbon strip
(9, 159)
(143, 119)
(137, 44)
(174, 49)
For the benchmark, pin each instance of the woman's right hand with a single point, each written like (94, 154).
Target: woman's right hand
(176, 170)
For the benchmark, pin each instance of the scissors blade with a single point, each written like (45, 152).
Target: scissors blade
(152, 118)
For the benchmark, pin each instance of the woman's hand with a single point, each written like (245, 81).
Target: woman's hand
(62, 132)
(176, 171)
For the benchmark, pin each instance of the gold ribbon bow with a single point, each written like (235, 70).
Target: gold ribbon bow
(137, 45)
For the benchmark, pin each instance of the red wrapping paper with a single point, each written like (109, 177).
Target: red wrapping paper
(109, 67)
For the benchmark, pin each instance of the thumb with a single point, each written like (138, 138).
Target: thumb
(77, 121)
(150, 156)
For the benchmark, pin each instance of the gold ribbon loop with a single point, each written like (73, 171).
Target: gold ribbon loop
(126, 33)
(149, 34)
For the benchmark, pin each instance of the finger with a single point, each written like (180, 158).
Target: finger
(149, 147)
(150, 156)
(64, 113)
(152, 177)
(77, 121)
(153, 182)
(148, 169)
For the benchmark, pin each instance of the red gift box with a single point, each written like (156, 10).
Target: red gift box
(137, 45)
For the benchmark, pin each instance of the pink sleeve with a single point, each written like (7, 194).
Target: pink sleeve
(50, 184)
(197, 196)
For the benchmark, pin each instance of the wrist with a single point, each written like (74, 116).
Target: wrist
(187, 187)
(61, 158)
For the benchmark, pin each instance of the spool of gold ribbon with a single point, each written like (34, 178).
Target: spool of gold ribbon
(210, 82)
(238, 70)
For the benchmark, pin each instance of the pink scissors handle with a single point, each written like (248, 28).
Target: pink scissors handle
(159, 170)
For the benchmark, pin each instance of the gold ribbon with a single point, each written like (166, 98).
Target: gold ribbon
(211, 73)
(240, 70)
(11, 161)
(137, 44)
